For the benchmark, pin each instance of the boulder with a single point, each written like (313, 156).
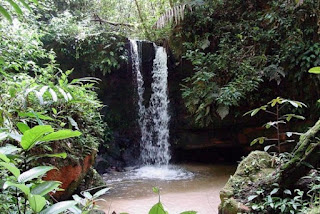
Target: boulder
(70, 176)
(256, 165)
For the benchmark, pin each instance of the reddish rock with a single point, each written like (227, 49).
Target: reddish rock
(70, 176)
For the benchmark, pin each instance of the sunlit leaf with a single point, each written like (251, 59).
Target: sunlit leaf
(101, 192)
(5, 13)
(45, 187)
(12, 168)
(15, 7)
(23, 127)
(33, 173)
(32, 136)
(59, 207)
(157, 209)
(315, 70)
(22, 187)
(60, 135)
(36, 202)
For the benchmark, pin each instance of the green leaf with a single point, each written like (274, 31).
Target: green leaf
(25, 4)
(251, 197)
(22, 187)
(155, 190)
(87, 195)
(315, 70)
(4, 158)
(259, 139)
(274, 191)
(36, 202)
(157, 209)
(45, 187)
(15, 7)
(60, 135)
(12, 168)
(223, 111)
(33, 135)
(5, 13)
(35, 172)
(35, 115)
(59, 207)
(57, 155)
(288, 117)
(101, 192)
(287, 191)
(73, 123)
(3, 136)
(9, 149)
(23, 127)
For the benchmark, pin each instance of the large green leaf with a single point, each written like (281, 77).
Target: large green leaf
(157, 209)
(36, 202)
(58, 155)
(5, 13)
(33, 135)
(45, 187)
(60, 135)
(59, 207)
(22, 187)
(35, 115)
(12, 168)
(35, 172)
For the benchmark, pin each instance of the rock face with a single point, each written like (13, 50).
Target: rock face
(256, 165)
(70, 176)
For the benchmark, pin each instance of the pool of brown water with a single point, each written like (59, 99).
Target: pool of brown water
(183, 187)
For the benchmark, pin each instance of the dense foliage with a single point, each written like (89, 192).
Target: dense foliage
(236, 45)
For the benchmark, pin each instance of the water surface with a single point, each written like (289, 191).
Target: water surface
(183, 187)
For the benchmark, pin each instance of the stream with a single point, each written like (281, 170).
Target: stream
(183, 188)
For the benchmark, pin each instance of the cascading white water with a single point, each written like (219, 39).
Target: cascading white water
(154, 120)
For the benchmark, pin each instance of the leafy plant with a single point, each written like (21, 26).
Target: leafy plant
(24, 187)
(158, 207)
(15, 5)
(280, 119)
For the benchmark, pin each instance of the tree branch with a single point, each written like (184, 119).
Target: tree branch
(96, 18)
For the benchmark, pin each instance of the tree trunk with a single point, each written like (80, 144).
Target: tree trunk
(305, 155)
(142, 20)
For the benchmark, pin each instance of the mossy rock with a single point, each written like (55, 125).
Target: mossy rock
(256, 165)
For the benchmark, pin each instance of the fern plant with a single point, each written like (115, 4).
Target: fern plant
(175, 14)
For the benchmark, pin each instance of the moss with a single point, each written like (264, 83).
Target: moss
(255, 166)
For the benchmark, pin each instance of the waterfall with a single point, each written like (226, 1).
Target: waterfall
(154, 119)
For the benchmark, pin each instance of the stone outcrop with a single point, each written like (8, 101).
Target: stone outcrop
(255, 166)
(70, 176)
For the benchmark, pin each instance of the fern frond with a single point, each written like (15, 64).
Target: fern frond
(174, 14)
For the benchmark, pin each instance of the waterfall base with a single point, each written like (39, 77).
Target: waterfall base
(161, 172)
